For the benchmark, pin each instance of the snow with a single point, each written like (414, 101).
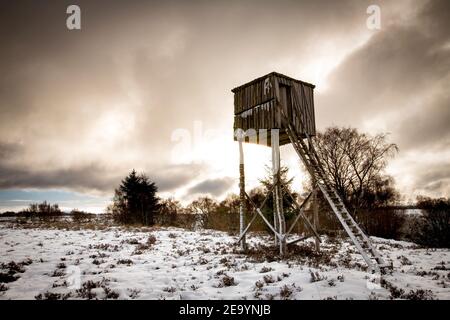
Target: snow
(414, 212)
(199, 265)
(264, 107)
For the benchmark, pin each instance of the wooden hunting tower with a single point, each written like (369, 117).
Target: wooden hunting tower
(274, 110)
(256, 110)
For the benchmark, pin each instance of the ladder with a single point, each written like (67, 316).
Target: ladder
(312, 162)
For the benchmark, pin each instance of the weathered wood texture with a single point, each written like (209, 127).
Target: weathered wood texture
(257, 103)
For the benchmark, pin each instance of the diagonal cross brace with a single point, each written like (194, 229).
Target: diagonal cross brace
(255, 214)
(297, 240)
(302, 215)
(297, 217)
(279, 236)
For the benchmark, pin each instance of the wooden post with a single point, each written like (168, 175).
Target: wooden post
(281, 223)
(275, 185)
(315, 210)
(241, 194)
(316, 216)
(278, 201)
(275, 216)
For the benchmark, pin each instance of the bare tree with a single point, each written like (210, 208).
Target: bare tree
(169, 211)
(202, 205)
(205, 207)
(355, 162)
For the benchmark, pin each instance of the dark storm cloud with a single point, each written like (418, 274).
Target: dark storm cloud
(427, 127)
(113, 93)
(215, 187)
(165, 63)
(435, 179)
(398, 82)
(90, 178)
(84, 178)
(170, 178)
(392, 72)
(8, 150)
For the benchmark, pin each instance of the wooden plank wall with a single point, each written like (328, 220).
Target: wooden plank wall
(305, 109)
(256, 109)
(262, 116)
(253, 95)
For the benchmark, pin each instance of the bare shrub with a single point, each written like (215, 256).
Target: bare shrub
(268, 279)
(395, 292)
(441, 266)
(404, 260)
(98, 262)
(433, 227)
(269, 296)
(316, 276)
(79, 216)
(170, 289)
(7, 277)
(9, 271)
(127, 262)
(373, 296)
(104, 247)
(86, 292)
(52, 296)
(141, 247)
(130, 241)
(265, 269)
(227, 281)
(382, 222)
(58, 273)
(285, 292)
(151, 240)
(419, 294)
(169, 212)
(109, 293)
(194, 287)
(42, 210)
(13, 267)
(133, 293)
(259, 284)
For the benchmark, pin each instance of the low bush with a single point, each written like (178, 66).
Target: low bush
(433, 227)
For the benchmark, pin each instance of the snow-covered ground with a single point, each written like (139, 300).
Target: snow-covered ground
(178, 264)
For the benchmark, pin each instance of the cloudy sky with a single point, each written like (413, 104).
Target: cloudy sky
(146, 85)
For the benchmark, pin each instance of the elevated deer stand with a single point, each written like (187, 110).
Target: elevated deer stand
(278, 190)
(275, 110)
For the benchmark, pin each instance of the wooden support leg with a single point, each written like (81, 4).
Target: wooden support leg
(315, 211)
(275, 216)
(276, 212)
(316, 217)
(281, 223)
(301, 214)
(274, 191)
(255, 209)
(258, 210)
(278, 201)
(242, 195)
